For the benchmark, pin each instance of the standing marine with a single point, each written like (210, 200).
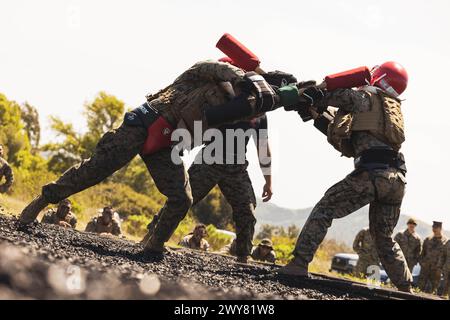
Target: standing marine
(5, 172)
(410, 243)
(444, 265)
(367, 125)
(432, 252)
(364, 246)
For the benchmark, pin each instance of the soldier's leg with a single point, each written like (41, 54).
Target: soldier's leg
(202, 178)
(383, 217)
(435, 280)
(423, 278)
(172, 181)
(345, 197)
(114, 150)
(238, 190)
(361, 267)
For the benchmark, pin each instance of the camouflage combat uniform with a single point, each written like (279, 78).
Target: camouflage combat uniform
(258, 256)
(235, 184)
(96, 225)
(383, 189)
(51, 217)
(444, 265)
(364, 246)
(411, 245)
(188, 242)
(7, 173)
(430, 272)
(198, 87)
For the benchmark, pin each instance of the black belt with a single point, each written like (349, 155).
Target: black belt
(380, 158)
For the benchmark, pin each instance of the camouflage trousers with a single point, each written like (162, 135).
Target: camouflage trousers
(429, 278)
(114, 150)
(446, 290)
(363, 264)
(236, 186)
(384, 191)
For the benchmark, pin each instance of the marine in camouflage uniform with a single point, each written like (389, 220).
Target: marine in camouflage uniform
(234, 181)
(444, 265)
(62, 216)
(410, 243)
(379, 183)
(196, 240)
(364, 246)
(104, 224)
(187, 100)
(264, 252)
(197, 87)
(5, 172)
(432, 252)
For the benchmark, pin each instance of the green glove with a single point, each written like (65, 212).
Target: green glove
(288, 95)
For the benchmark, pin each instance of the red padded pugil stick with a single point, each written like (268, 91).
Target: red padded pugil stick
(238, 53)
(348, 79)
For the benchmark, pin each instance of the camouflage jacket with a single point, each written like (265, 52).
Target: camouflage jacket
(353, 101)
(200, 86)
(52, 218)
(257, 255)
(96, 225)
(188, 242)
(444, 262)
(364, 246)
(411, 245)
(432, 251)
(7, 173)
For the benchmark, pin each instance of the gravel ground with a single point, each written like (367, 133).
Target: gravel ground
(49, 262)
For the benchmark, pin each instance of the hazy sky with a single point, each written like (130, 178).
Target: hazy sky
(59, 54)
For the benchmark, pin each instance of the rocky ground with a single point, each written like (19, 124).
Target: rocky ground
(49, 262)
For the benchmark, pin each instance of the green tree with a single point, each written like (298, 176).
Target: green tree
(102, 115)
(12, 135)
(30, 118)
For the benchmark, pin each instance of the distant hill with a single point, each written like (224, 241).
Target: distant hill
(342, 230)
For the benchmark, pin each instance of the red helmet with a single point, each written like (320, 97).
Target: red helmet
(391, 77)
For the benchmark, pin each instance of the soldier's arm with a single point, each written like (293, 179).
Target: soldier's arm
(117, 231)
(90, 227)
(73, 222)
(397, 237)
(418, 251)
(212, 71)
(9, 178)
(272, 257)
(424, 251)
(357, 242)
(345, 99)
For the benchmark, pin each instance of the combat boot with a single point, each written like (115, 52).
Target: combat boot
(152, 246)
(31, 211)
(146, 238)
(406, 289)
(294, 268)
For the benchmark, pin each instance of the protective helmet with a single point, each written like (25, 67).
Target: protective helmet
(391, 77)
